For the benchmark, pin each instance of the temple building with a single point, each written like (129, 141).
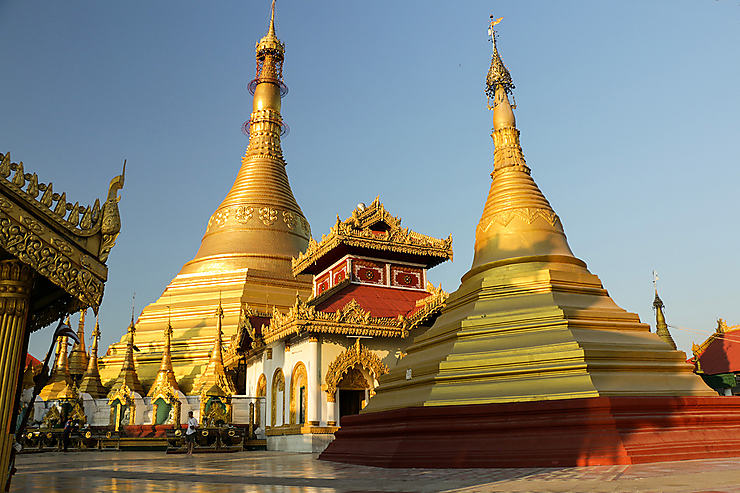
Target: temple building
(717, 359)
(321, 360)
(245, 254)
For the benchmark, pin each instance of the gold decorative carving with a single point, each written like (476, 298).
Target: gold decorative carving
(66, 243)
(52, 417)
(268, 215)
(527, 215)
(356, 231)
(351, 319)
(353, 379)
(354, 355)
(218, 411)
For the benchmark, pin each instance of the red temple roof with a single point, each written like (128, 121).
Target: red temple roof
(31, 361)
(380, 301)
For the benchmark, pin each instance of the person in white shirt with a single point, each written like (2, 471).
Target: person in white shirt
(190, 432)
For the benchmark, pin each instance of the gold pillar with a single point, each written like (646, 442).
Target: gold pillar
(15, 293)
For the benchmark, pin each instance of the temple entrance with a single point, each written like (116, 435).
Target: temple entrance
(352, 392)
(350, 402)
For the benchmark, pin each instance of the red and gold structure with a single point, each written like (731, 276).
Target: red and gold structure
(531, 363)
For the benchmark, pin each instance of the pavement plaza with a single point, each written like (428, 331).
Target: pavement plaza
(281, 472)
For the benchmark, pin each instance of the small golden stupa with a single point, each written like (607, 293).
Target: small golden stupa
(60, 385)
(246, 251)
(78, 355)
(529, 321)
(127, 374)
(91, 383)
(165, 382)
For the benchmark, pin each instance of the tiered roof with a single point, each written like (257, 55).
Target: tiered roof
(370, 230)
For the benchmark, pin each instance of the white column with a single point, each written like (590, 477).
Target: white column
(314, 382)
(331, 410)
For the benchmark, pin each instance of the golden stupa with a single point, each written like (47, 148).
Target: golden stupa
(78, 355)
(60, 385)
(245, 254)
(91, 383)
(529, 321)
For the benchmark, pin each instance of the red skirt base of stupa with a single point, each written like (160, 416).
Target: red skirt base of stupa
(571, 432)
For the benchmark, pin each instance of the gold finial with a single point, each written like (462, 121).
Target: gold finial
(498, 74)
(272, 19)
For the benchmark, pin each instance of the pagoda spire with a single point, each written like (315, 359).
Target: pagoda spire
(78, 356)
(91, 382)
(165, 381)
(128, 375)
(259, 224)
(60, 384)
(661, 327)
(214, 381)
(517, 219)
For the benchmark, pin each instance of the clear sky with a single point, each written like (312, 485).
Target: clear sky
(628, 113)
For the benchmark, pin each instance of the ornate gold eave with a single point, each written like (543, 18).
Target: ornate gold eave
(67, 244)
(352, 319)
(356, 232)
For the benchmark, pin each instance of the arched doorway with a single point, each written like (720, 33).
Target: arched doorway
(260, 404)
(298, 394)
(277, 406)
(352, 389)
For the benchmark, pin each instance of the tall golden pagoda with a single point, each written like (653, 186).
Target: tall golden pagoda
(532, 355)
(529, 321)
(91, 383)
(246, 251)
(60, 384)
(127, 374)
(78, 356)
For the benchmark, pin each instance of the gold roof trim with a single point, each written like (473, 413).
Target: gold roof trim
(352, 319)
(43, 230)
(356, 231)
(720, 331)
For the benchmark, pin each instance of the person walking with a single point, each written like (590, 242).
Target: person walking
(67, 433)
(190, 432)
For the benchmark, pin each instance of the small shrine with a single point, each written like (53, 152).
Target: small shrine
(321, 360)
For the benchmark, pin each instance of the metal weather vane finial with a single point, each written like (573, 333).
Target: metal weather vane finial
(498, 74)
(655, 280)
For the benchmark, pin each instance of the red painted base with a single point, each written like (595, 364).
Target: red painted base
(573, 432)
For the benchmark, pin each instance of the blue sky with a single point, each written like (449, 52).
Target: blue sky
(628, 113)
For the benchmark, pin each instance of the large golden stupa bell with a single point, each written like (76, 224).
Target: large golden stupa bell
(245, 254)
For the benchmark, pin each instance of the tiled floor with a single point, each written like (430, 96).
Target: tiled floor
(277, 472)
